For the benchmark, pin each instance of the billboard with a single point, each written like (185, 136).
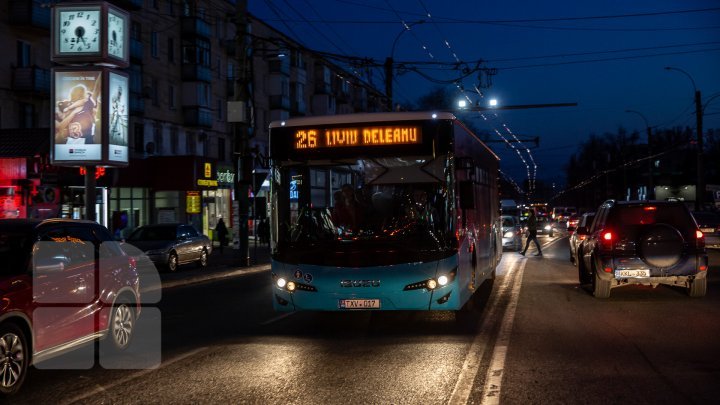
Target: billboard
(118, 121)
(90, 106)
(78, 117)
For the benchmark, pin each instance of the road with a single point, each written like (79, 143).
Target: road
(541, 339)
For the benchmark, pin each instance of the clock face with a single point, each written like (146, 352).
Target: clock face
(79, 31)
(116, 34)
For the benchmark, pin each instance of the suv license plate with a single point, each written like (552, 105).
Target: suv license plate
(632, 273)
(359, 304)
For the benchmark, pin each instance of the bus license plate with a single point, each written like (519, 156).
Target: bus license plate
(359, 304)
(632, 273)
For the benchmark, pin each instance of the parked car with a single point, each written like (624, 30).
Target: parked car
(64, 284)
(171, 245)
(512, 232)
(580, 232)
(709, 224)
(644, 242)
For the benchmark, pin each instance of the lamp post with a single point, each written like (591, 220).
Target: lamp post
(389, 61)
(651, 186)
(700, 187)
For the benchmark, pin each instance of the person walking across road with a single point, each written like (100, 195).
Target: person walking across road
(532, 234)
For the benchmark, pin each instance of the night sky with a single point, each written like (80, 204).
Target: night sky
(607, 56)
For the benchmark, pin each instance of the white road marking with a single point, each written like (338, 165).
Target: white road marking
(493, 379)
(277, 318)
(463, 387)
(103, 388)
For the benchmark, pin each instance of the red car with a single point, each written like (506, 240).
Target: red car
(64, 283)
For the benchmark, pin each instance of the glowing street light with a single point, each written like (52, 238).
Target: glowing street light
(493, 102)
(462, 103)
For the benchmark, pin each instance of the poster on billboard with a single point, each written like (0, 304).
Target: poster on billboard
(77, 129)
(118, 121)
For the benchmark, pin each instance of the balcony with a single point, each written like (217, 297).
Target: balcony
(229, 45)
(195, 26)
(29, 13)
(137, 50)
(194, 72)
(279, 102)
(198, 117)
(137, 103)
(31, 79)
(128, 4)
(298, 108)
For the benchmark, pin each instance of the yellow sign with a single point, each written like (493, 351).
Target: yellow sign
(309, 138)
(208, 170)
(193, 204)
(207, 183)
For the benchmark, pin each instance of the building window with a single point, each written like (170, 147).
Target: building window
(171, 9)
(23, 54)
(196, 52)
(27, 111)
(136, 30)
(171, 50)
(157, 138)
(154, 44)
(221, 149)
(139, 137)
(171, 96)
(154, 91)
(219, 109)
(190, 143)
(174, 141)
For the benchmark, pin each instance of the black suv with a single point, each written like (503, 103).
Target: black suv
(643, 242)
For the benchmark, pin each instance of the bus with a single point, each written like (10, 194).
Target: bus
(381, 211)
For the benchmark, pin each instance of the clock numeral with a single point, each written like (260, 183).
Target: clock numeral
(66, 23)
(80, 14)
(94, 23)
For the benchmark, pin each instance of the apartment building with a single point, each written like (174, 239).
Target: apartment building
(183, 72)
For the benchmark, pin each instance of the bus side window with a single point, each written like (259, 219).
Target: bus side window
(467, 196)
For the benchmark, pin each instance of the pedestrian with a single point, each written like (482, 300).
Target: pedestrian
(532, 234)
(264, 231)
(222, 233)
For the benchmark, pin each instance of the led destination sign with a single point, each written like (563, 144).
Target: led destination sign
(312, 138)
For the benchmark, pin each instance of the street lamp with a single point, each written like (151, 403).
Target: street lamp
(389, 62)
(651, 187)
(700, 188)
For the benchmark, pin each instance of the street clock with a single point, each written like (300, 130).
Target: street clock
(90, 33)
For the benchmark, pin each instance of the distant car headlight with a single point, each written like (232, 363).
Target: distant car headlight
(548, 227)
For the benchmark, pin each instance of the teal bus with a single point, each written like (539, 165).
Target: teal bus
(381, 211)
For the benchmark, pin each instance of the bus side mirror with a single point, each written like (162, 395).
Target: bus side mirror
(467, 196)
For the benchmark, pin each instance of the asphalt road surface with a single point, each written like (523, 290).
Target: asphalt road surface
(539, 339)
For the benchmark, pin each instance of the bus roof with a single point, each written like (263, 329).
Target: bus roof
(363, 117)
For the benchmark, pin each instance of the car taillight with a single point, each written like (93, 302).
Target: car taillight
(606, 240)
(699, 239)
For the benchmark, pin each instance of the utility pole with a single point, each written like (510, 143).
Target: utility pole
(242, 130)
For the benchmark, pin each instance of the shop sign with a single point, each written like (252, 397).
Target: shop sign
(193, 204)
(207, 179)
(225, 177)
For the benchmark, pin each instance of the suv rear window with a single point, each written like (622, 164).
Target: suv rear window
(675, 215)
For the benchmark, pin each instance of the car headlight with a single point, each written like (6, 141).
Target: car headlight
(548, 227)
(508, 234)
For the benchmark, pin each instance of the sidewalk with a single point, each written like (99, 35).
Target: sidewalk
(259, 254)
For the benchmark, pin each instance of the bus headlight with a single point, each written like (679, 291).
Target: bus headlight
(290, 286)
(281, 282)
(442, 280)
(432, 284)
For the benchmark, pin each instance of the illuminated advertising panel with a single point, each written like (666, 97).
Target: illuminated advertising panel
(77, 129)
(118, 118)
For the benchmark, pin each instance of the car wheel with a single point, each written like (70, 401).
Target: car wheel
(601, 288)
(122, 325)
(14, 355)
(203, 261)
(697, 287)
(172, 263)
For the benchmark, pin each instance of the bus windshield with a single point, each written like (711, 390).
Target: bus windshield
(363, 212)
